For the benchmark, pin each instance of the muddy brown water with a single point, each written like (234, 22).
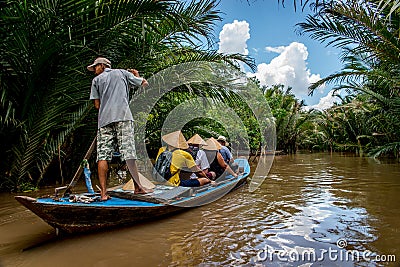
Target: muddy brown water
(312, 210)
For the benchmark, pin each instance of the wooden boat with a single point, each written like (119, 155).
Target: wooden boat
(69, 215)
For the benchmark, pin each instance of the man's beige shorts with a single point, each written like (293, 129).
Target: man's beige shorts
(116, 136)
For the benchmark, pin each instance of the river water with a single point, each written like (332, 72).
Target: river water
(312, 210)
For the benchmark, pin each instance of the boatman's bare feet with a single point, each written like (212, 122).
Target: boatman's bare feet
(143, 191)
(105, 198)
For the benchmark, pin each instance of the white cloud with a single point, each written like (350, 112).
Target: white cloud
(278, 49)
(325, 102)
(288, 68)
(233, 38)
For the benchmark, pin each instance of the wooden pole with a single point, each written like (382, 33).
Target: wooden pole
(79, 171)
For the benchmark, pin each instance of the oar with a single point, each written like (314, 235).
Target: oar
(78, 172)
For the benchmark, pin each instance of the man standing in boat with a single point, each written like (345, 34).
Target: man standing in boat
(110, 92)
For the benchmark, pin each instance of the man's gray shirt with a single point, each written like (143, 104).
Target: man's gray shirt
(111, 87)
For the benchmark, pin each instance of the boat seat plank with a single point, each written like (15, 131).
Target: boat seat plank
(162, 194)
(172, 193)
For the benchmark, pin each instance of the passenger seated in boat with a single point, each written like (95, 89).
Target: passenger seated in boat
(195, 149)
(182, 161)
(224, 150)
(217, 163)
(226, 153)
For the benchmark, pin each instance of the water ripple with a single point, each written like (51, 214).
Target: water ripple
(307, 204)
(310, 208)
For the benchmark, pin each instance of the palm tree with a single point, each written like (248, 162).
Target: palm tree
(289, 117)
(391, 4)
(368, 33)
(44, 84)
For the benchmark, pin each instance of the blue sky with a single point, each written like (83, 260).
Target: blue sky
(265, 31)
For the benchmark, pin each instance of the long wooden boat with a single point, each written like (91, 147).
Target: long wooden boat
(81, 213)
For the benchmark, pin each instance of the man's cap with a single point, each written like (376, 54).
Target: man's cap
(99, 60)
(221, 138)
(196, 140)
(175, 139)
(212, 144)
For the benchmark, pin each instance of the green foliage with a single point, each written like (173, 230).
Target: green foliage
(219, 112)
(368, 34)
(46, 45)
(289, 117)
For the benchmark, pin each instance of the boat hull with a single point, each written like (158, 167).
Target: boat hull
(75, 217)
(88, 218)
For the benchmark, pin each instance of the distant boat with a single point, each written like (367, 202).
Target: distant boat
(80, 213)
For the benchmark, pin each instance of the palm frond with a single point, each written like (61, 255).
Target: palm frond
(391, 148)
(47, 44)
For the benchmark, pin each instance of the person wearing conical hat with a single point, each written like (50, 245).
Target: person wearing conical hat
(217, 162)
(110, 94)
(199, 156)
(181, 161)
(176, 140)
(197, 140)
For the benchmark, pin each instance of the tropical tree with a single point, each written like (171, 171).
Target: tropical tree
(368, 33)
(218, 110)
(392, 4)
(289, 117)
(44, 84)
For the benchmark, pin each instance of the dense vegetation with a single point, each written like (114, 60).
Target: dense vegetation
(47, 122)
(368, 33)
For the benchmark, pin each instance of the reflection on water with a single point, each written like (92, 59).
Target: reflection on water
(310, 203)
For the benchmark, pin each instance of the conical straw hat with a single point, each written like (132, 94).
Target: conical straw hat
(197, 140)
(176, 139)
(212, 144)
